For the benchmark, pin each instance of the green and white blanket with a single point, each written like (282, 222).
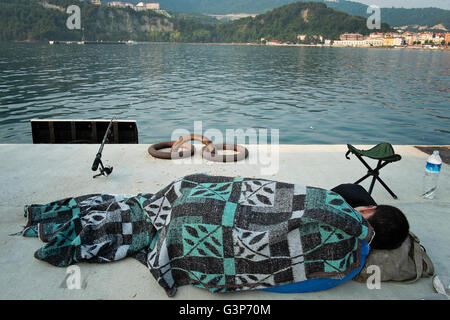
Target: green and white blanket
(219, 233)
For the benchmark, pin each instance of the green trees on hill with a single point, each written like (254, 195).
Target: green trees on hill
(286, 22)
(29, 20)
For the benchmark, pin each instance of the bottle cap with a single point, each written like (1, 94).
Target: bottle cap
(436, 152)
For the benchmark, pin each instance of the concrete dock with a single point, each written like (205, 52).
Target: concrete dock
(43, 173)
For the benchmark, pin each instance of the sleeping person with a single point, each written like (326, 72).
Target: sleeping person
(223, 233)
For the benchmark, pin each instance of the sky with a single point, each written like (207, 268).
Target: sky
(444, 4)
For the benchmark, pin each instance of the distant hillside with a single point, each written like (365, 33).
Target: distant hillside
(422, 17)
(29, 20)
(286, 22)
(393, 16)
(397, 16)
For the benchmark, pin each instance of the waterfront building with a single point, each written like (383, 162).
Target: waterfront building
(96, 2)
(273, 42)
(375, 39)
(388, 41)
(351, 36)
(399, 41)
(410, 38)
(376, 35)
(439, 38)
(374, 42)
(350, 43)
(391, 39)
(317, 37)
(425, 37)
(392, 35)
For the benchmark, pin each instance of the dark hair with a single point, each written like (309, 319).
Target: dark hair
(391, 227)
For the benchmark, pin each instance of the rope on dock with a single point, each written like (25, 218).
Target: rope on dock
(208, 151)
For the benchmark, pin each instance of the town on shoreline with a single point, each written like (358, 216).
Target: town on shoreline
(399, 39)
(270, 44)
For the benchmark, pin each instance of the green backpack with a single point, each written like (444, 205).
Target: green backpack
(408, 263)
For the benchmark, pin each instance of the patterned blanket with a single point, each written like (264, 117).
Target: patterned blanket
(219, 233)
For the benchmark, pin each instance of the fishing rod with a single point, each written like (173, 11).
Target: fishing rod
(104, 171)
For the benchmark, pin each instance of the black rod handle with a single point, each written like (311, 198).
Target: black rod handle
(96, 161)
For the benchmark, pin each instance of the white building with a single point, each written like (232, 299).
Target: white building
(375, 42)
(410, 38)
(350, 43)
(141, 6)
(438, 39)
(116, 4)
(399, 41)
(425, 37)
(376, 35)
(273, 43)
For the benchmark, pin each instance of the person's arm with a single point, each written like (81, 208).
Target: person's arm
(354, 194)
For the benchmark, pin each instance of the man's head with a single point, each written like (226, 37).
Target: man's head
(389, 223)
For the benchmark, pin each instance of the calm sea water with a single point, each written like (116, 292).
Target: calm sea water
(311, 95)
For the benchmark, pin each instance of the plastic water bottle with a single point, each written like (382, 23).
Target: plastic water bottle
(432, 170)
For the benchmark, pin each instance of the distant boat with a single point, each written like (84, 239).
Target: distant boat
(131, 42)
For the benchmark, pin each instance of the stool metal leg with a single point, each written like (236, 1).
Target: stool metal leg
(372, 184)
(387, 188)
(363, 178)
(376, 175)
